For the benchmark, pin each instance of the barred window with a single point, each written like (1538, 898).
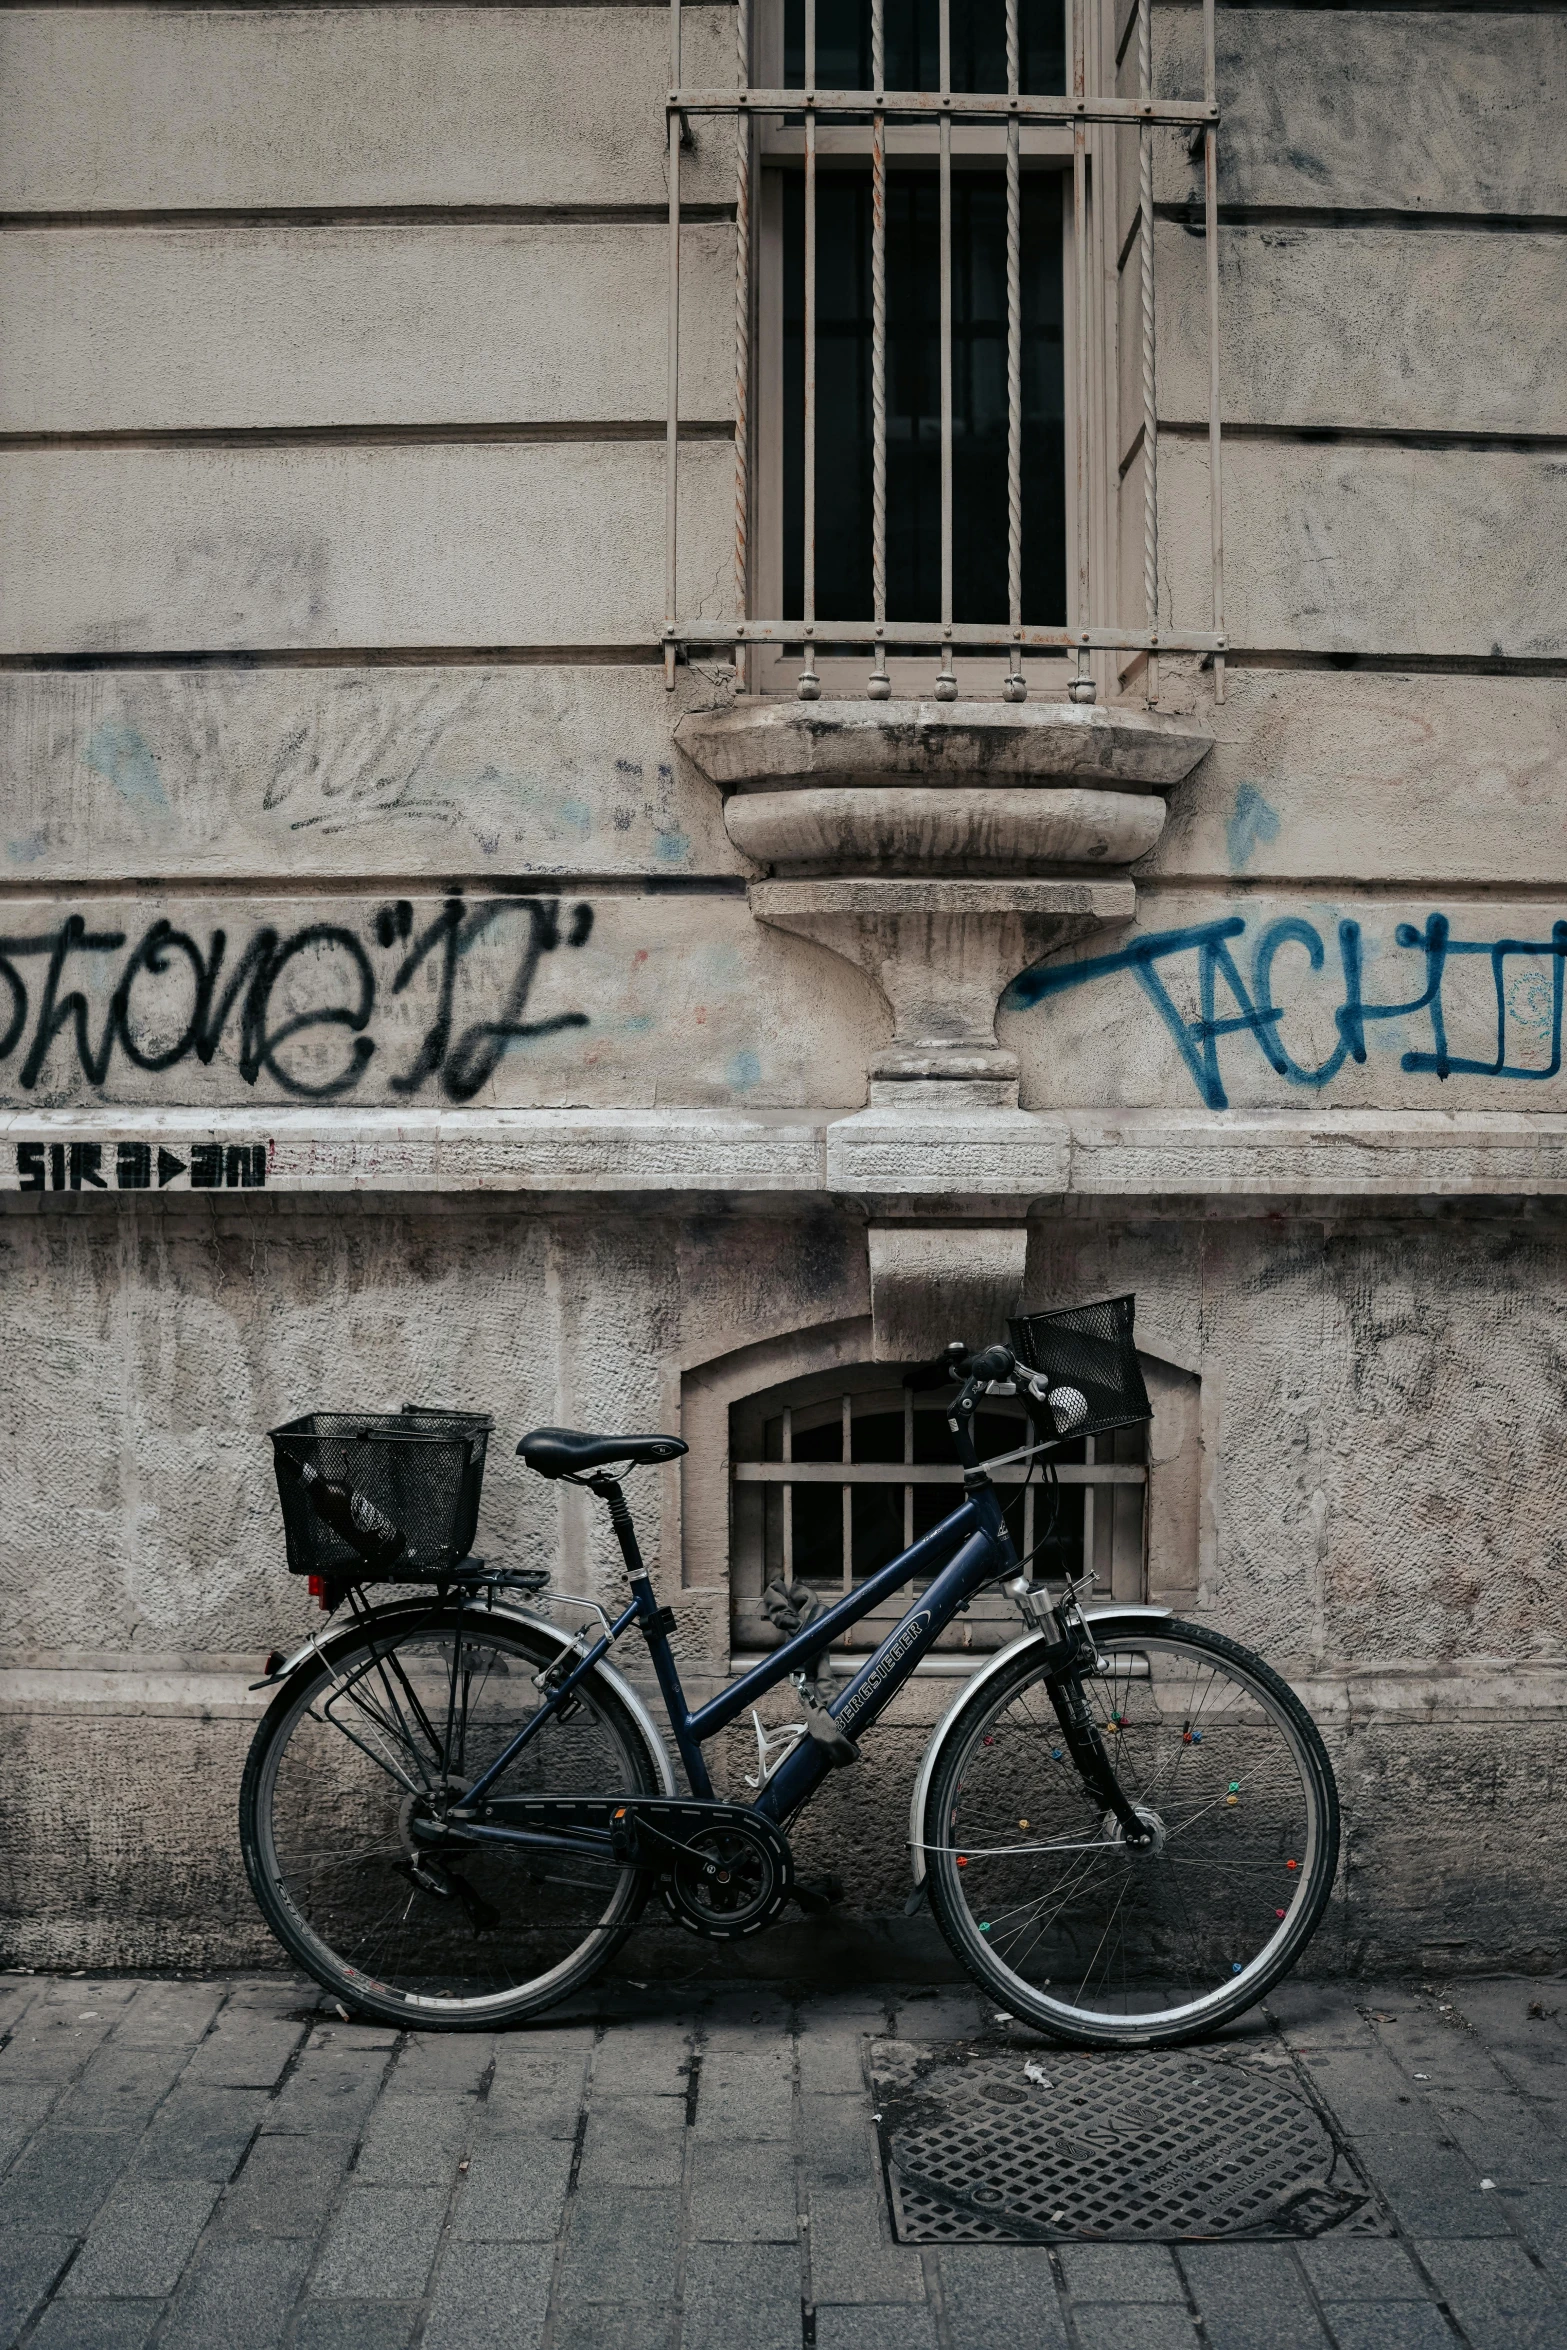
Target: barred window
(973, 229)
(946, 429)
(832, 1475)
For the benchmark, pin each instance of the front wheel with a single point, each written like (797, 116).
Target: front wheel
(1097, 1941)
(388, 1724)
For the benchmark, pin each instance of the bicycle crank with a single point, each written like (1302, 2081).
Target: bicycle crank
(724, 1871)
(729, 1880)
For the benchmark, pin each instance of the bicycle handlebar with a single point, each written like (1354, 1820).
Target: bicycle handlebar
(957, 1366)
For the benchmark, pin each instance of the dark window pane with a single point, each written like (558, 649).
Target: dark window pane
(912, 45)
(878, 1526)
(932, 1438)
(878, 1436)
(821, 1436)
(1062, 1553)
(913, 368)
(998, 1431)
(818, 1533)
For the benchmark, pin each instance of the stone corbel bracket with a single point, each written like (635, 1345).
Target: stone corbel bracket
(941, 953)
(942, 848)
(934, 1282)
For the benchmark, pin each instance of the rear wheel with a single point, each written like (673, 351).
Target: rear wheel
(1068, 1925)
(390, 1722)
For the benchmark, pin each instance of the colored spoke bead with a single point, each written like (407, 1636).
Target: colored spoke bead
(1292, 1864)
(1235, 1966)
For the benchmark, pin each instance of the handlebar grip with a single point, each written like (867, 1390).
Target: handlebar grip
(992, 1362)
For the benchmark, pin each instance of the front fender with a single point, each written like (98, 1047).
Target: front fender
(987, 1672)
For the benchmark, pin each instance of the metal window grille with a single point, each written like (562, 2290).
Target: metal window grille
(1096, 119)
(832, 1475)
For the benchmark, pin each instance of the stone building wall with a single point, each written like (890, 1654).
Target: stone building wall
(345, 822)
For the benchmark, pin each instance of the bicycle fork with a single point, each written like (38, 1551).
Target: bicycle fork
(1069, 1647)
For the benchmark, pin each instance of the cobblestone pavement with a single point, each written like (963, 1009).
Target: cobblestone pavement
(231, 2163)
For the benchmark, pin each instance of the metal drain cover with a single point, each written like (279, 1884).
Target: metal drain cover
(1141, 2147)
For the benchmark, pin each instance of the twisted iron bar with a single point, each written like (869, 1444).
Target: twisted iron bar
(1014, 687)
(1150, 401)
(742, 318)
(880, 686)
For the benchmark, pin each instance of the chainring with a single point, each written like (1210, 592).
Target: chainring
(731, 1879)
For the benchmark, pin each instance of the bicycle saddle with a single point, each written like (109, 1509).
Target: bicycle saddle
(566, 1452)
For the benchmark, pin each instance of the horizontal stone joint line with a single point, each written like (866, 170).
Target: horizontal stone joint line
(1398, 664)
(1267, 885)
(345, 657)
(370, 887)
(367, 436)
(1353, 216)
(1355, 436)
(374, 215)
(391, 7)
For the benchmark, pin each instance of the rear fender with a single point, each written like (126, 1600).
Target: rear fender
(998, 1663)
(576, 1644)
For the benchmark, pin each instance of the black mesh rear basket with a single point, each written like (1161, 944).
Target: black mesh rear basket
(1089, 1348)
(439, 1422)
(421, 1468)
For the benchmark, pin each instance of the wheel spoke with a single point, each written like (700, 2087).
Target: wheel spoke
(1082, 1930)
(378, 1742)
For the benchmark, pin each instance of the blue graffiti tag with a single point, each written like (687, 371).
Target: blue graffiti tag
(1258, 1014)
(1251, 821)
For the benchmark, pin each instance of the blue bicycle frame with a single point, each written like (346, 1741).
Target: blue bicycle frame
(977, 1549)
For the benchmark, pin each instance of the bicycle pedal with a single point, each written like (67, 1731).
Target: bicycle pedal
(816, 1895)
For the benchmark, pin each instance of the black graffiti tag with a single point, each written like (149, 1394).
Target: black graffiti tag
(242, 992)
(467, 1067)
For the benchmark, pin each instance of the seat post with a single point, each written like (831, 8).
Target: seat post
(609, 1492)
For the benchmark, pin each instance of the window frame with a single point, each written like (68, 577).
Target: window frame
(1096, 120)
(1180, 1541)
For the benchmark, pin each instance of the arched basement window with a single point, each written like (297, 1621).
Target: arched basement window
(835, 1473)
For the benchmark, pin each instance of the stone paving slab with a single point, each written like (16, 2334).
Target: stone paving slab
(185, 2164)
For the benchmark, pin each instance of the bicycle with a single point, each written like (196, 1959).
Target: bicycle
(454, 1810)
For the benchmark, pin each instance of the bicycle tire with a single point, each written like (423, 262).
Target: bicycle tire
(1097, 1873)
(350, 1912)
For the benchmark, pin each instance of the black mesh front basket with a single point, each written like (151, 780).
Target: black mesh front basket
(1089, 1348)
(421, 1468)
